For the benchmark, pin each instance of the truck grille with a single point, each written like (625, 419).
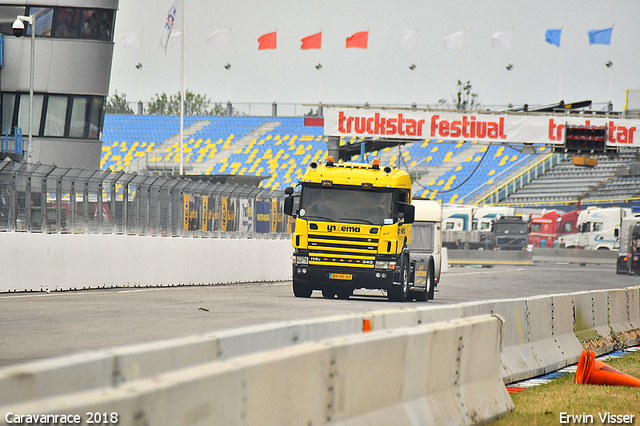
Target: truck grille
(335, 250)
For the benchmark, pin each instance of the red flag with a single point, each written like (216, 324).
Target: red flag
(312, 41)
(267, 41)
(358, 40)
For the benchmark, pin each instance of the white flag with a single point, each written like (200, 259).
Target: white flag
(168, 26)
(219, 38)
(501, 40)
(454, 41)
(408, 39)
(132, 40)
(175, 41)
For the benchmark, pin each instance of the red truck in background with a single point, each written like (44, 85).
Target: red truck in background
(554, 229)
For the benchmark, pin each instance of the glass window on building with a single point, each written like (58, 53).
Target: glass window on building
(56, 115)
(8, 14)
(95, 123)
(68, 22)
(44, 20)
(23, 113)
(78, 117)
(8, 103)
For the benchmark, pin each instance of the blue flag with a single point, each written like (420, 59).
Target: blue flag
(600, 36)
(553, 37)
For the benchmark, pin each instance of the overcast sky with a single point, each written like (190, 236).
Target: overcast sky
(541, 73)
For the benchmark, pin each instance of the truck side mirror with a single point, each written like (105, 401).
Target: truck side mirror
(409, 211)
(288, 202)
(288, 205)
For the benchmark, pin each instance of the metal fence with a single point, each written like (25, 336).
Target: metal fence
(49, 199)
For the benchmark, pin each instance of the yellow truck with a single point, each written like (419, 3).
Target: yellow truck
(353, 230)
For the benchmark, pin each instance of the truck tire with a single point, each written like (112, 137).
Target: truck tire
(429, 287)
(344, 293)
(328, 292)
(399, 293)
(301, 290)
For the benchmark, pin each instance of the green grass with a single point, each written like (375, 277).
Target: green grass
(542, 405)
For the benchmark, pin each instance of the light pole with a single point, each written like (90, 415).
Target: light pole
(18, 30)
(413, 90)
(509, 68)
(610, 66)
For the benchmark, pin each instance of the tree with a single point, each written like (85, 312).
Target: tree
(464, 98)
(117, 104)
(170, 105)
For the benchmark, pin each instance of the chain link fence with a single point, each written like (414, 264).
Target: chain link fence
(48, 199)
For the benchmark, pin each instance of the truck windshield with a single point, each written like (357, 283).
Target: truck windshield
(347, 205)
(421, 237)
(511, 228)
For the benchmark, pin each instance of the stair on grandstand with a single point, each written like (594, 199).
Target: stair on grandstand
(566, 182)
(240, 144)
(142, 165)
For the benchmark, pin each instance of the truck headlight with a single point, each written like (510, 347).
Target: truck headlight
(383, 264)
(301, 260)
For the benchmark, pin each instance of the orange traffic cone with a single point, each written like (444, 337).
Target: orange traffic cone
(593, 372)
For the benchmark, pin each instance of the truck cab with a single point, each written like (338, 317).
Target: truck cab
(352, 230)
(511, 233)
(629, 253)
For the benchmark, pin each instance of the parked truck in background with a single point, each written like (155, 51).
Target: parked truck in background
(543, 230)
(568, 230)
(474, 228)
(353, 226)
(599, 228)
(629, 253)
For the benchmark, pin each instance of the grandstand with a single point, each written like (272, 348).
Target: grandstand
(612, 181)
(282, 147)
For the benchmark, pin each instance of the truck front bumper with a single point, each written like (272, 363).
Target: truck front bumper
(320, 277)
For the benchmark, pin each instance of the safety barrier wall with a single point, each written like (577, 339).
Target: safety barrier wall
(497, 257)
(441, 373)
(540, 334)
(29, 261)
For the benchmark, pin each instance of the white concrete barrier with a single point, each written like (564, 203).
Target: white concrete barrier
(443, 373)
(624, 313)
(29, 261)
(539, 335)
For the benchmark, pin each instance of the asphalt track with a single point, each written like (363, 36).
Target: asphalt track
(43, 325)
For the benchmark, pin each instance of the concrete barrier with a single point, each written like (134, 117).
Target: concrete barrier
(537, 255)
(540, 334)
(624, 314)
(574, 256)
(104, 261)
(442, 373)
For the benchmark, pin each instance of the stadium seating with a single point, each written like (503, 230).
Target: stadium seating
(280, 148)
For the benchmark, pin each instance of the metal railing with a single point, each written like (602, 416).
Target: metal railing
(49, 199)
(511, 186)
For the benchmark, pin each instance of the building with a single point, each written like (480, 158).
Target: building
(73, 54)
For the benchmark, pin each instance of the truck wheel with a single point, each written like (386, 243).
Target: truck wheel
(429, 289)
(399, 293)
(301, 290)
(328, 293)
(344, 293)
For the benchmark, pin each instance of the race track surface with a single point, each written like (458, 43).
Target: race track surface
(40, 325)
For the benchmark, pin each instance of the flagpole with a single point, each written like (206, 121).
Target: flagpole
(366, 102)
(182, 91)
(560, 71)
(229, 62)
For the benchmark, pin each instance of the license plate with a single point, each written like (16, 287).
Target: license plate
(340, 276)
